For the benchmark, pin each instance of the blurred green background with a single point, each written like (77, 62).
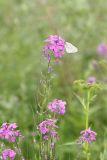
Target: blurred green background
(24, 24)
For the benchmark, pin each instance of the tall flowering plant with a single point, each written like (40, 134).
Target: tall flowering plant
(49, 111)
(88, 89)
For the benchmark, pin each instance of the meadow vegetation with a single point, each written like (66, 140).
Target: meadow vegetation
(24, 25)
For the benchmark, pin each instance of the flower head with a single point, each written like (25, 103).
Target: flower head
(8, 131)
(91, 80)
(94, 64)
(87, 136)
(8, 154)
(57, 106)
(102, 49)
(47, 128)
(54, 46)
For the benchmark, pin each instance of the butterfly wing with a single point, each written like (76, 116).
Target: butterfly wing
(70, 48)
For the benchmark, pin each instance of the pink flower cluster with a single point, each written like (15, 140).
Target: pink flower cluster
(8, 154)
(102, 49)
(47, 128)
(8, 131)
(87, 136)
(57, 106)
(91, 80)
(54, 46)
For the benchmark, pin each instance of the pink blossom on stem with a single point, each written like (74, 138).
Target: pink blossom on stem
(102, 49)
(57, 106)
(8, 154)
(87, 136)
(47, 128)
(54, 46)
(91, 80)
(8, 131)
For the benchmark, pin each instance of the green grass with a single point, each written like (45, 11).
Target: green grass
(24, 24)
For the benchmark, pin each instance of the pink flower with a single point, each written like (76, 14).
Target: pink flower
(47, 128)
(45, 137)
(54, 46)
(12, 125)
(8, 154)
(91, 80)
(57, 106)
(94, 64)
(102, 49)
(8, 131)
(87, 136)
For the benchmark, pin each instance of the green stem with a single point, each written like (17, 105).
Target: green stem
(87, 109)
(87, 121)
(19, 150)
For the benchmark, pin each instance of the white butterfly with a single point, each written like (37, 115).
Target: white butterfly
(70, 48)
